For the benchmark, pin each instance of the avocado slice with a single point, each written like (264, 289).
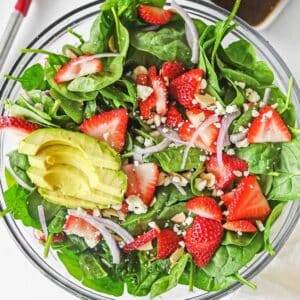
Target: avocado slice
(70, 181)
(98, 152)
(107, 180)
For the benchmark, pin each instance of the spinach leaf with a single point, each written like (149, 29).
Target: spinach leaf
(170, 159)
(91, 267)
(76, 243)
(261, 158)
(230, 258)
(276, 212)
(136, 58)
(19, 165)
(286, 186)
(262, 73)
(167, 282)
(243, 121)
(57, 224)
(232, 238)
(242, 54)
(9, 179)
(15, 198)
(170, 211)
(167, 43)
(84, 85)
(34, 199)
(32, 78)
(90, 109)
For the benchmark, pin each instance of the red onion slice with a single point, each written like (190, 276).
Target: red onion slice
(179, 188)
(110, 241)
(91, 57)
(223, 136)
(237, 137)
(41, 214)
(191, 32)
(171, 135)
(159, 147)
(210, 120)
(266, 97)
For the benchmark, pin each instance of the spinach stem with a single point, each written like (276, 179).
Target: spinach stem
(127, 155)
(289, 96)
(4, 212)
(48, 245)
(191, 277)
(244, 281)
(79, 36)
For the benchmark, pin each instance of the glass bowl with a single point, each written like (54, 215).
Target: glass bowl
(52, 38)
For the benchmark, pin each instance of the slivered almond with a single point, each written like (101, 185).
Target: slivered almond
(109, 212)
(146, 247)
(112, 44)
(205, 100)
(210, 179)
(175, 256)
(179, 218)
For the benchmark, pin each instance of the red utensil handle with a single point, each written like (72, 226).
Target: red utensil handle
(22, 6)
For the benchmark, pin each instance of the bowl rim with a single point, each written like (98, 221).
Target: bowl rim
(37, 261)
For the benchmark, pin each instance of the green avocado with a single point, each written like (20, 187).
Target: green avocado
(100, 153)
(73, 169)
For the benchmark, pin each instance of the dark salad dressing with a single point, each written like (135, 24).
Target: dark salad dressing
(253, 12)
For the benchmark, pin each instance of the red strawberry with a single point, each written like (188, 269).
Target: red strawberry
(142, 79)
(248, 201)
(241, 225)
(268, 127)
(141, 240)
(172, 69)
(174, 117)
(80, 66)
(205, 207)
(160, 92)
(167, 243)
(142, 180)
(207, 138)
(124, 208)
(58, 237)
(109, 126)
(185, 87)
(17, 125)
(80, 227)
(225, 175)
(148, 106)
(152, 71)
(154, 15)
(226, 198)
(203, 239)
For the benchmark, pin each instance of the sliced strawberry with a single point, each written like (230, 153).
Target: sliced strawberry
(81, 228)
(226, 198)
(185, 87)
(124, 208)
(268, 127)
(207, 138)
(172, 69)
(148, 106)
(154, 15)
(240, 226)
(152, 71)
(205, 207)
(203, 239)
(142, 79)
(57, 238)
(17, 125)
(109, 126)
(141, 240)
(167, 243)
(160, 91)
(142, 180)
(226, 174)
(174, 117)
(248, 201)
(80, 66)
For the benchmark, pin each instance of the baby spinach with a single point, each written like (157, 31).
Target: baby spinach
(170, 159)
(90, 109)
(57, 223)
(232, 238)
(261, 158)
(276, 211)
(84, 85)
(165, 283)
(243, 121)
(262, 73)
(32, 78)
(91, 266)
(169, 212)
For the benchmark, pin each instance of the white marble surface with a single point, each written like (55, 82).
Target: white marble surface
(20, 280)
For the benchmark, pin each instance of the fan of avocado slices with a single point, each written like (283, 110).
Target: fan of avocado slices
(153, 156)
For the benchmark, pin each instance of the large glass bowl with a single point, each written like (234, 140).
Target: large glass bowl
(52, 38)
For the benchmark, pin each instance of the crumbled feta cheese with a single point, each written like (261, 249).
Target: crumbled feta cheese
(219, 109)
(231, 109)
(143, 91)
(255, 113)
(157, 120)
(246, 173)
(219, 193)
(217, 125)
(243, 143)
(148, 142)
(152, 224)
(200, 184)
(245, 107)
(188, 221)
(140, 139)
(239, 233)
(240, 84)
(252, 96)
(202, 158)
(237, 173)
(230, 151)
(136, 205)
(203, 84)
(182, 244)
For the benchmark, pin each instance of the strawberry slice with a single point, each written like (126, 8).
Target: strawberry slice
(141, 240)
(247, 201)
(17, 125)
(109, 126)
(226, 174)
(167, 243)
(174, 117)
(124, 208)
(205, 207)
(154, 15)
(81, 228)
(147, 107)
(142, 180)
(185, 87)
(268, 127)
(241, 226)
(77, 67)
(160, 92)
(203, 239)
(207, 138)
(152, 71)
(142, 79)
(172, 69)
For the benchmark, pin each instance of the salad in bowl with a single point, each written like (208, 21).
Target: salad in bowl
(151, 154)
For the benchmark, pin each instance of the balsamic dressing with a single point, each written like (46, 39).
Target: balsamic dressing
(253, 12)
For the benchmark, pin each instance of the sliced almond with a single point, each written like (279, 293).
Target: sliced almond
(179, 218)
(210, 179)
(176, 255)
(205, 100)
(112, 44)
(146, 247)
(109, 212)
